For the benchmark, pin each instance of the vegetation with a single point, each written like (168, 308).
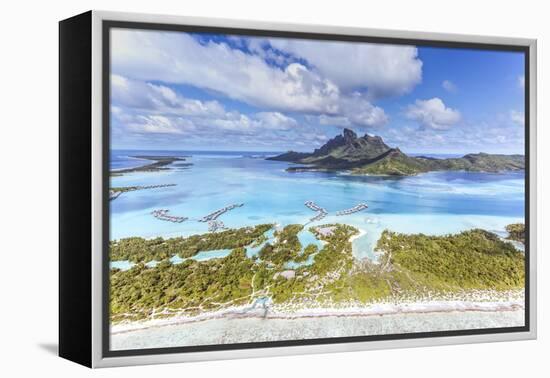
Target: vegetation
(410, 265)
(144, 250)
(286, 248)
(192, 286)
(395, 163)
(474, 259)
(516, 232)
(370, 155)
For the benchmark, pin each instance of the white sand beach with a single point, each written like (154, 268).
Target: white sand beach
(230, 330)
(477, 310)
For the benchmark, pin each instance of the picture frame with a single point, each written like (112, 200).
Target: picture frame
(86, 121)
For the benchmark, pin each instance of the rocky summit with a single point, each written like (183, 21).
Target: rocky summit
(370, 155)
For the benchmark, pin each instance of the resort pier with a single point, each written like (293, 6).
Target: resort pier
(319, 216)
(321, 212)
(313, 206)
(162, 214)
(213, 216)
(354, 209)
(114, 193)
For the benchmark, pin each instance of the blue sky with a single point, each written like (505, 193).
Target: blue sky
(180, 91)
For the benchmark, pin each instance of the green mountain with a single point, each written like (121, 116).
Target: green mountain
(370, 155)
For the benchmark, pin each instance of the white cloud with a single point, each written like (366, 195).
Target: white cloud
(157, 124)
(158, 98)
(518, 118)
(362, 113)
(492, 136)
(433, 114)
(521, 81)
(334, 121)
(159, 109)
(144, 108)
(385, 70)
(179, 58)
(254, 124)
(449, 86)
(365, 116)
(276, 120)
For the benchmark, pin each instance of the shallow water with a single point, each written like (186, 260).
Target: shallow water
(432, 203)
(242, 330)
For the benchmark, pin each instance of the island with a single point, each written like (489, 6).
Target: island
(369, 155)
(116, 191)
(159, 163)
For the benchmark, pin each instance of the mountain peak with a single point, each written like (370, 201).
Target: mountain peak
(349, 135)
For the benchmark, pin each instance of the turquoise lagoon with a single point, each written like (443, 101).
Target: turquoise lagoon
(431, 203)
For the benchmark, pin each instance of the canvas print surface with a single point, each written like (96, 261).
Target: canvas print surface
(273, 189)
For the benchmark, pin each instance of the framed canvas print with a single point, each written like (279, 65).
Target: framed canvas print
(235, 189)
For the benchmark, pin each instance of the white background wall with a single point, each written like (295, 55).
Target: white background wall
(28, 207)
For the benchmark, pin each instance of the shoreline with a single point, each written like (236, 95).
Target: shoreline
(361, 233)
(159, 163)
(482, 301)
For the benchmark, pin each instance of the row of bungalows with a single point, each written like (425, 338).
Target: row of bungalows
(321, 212)
(213, 216)
(354, 209)
(162, 214)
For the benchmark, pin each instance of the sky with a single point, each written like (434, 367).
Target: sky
(182, 91)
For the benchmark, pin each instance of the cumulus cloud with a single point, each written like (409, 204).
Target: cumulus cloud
(146, 108)
(384, 70)
(268, 130)
(518, 118)
(276, 120)
(157, 124)
(159, 98)
(338, 121)
(433, 114)
(361, 112)
(312, 87)
(232, 123)
(179, 58)
(449, 86)
(492, 136)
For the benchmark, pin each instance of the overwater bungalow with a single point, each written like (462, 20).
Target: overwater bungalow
(162, 214)
(116, 192)
(313, 206)
(319, 216)
(321, 212)
(213, 216)
(355, 209)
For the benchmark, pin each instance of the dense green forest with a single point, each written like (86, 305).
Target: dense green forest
(144, 250)
(409, 265)
(474, 259)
